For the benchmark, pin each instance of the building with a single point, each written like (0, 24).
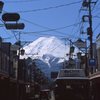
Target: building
(15, 78)
(98, 50)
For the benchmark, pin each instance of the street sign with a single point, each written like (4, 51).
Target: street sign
(14, 26)
(92, 62)
(10, 17)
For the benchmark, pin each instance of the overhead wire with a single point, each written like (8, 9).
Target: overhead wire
(33, 48)
(18, 1)
(96, 3)
(48, 8)
(15, 35)
(52, 8)
(96, 10)
(7, 32)
(75, 25)
(53, 29)
(48, 35)
(55, 47)
(55, 7)
(79, 28)
(48, 27)
(2, 25)
(98, 25)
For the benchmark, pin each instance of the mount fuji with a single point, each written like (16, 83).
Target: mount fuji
(49, 53)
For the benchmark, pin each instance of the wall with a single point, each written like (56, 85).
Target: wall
(98, 50)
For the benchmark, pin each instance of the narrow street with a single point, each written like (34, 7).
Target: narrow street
(52, 96)
(50, 49)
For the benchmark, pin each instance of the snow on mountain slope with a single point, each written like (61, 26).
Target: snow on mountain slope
(46, 45)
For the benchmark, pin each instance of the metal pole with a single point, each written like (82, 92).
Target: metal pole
(70, 50)
(18, 97)
(86, 61)
(91, 34)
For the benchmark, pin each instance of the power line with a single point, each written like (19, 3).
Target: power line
(74, 26)
(54, 28)
(35, 23)
(94, 5)
(28, 33)
(48, 8)
(96, 27)
(48, 29)
(19, 1)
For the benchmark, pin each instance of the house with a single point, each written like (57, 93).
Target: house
(98, 50)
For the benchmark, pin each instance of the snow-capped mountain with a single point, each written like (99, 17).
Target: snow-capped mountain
(50, 52)
(46, 45)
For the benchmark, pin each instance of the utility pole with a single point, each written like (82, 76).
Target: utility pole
(91, 32)
(87, 4)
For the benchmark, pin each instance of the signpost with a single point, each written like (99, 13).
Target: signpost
(92, 62)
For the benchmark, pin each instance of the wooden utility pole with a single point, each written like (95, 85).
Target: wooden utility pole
(87, 4)
(91, 32)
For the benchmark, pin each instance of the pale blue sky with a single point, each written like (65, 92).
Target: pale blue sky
(49, 17)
